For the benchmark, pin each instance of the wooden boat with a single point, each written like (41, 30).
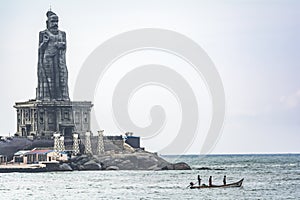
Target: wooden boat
(236, 184)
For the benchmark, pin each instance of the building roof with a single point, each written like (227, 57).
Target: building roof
(43, 151)
(132, 136)
(21, 152)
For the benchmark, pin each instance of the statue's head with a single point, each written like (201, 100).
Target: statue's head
(52, 21)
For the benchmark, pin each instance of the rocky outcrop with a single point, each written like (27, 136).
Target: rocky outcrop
(125, 161)
(91, 165)
(112, 168)
(116, 157)
(65, 167)
(177, 166)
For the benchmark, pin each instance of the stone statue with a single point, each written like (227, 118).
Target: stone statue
(52, 69)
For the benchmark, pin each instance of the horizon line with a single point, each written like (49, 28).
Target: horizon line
(235, 154)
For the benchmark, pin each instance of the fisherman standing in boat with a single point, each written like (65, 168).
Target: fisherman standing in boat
(224, 180)
(199, 180)
(210, 181)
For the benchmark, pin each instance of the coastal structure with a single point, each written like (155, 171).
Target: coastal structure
(100, 143)
(88, 147)
(53, 132)
(52, 110)
(76, 149)
(36, 156)
(3, 159)
(44, 155)
(133, 141)
(52, 120)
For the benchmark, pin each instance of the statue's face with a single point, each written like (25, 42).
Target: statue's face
(53, 22)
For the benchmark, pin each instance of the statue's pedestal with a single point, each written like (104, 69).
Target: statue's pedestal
(43, 118)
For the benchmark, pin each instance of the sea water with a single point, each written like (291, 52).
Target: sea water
(265, 177)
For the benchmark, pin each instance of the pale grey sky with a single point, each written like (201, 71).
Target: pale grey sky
(255, 45)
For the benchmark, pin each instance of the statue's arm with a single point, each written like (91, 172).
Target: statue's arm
(62, 44)
(41, 74)
(65, 40)
(43, 40)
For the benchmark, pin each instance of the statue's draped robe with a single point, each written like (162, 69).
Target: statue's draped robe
(52, 69)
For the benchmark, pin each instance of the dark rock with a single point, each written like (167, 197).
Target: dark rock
(90, 165)
(208, 168)
(177, 166)
(154, 167)
(82, 159)
(127, 165)
(112, 168)
(74, 166)
(65, 167)
(58, 167)
(204, 168)
(80, 167)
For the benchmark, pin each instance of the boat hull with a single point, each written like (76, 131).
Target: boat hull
(236, 184)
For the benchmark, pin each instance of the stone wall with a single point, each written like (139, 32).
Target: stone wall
(43, 118)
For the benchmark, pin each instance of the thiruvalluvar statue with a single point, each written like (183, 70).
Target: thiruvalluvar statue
(52, 69)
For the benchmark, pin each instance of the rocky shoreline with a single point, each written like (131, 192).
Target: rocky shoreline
(116, 157)
(124, 161)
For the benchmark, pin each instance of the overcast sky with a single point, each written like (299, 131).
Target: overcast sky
(255, 46)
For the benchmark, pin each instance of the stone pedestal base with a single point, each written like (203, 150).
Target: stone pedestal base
(43, 118)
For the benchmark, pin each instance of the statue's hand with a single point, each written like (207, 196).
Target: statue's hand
(45, 38)
(45, 41)
(61, 45)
